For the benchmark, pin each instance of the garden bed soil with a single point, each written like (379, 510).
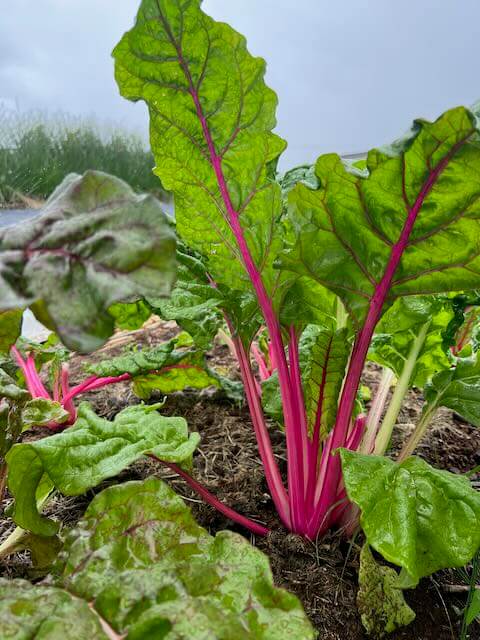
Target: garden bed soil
(322, 574)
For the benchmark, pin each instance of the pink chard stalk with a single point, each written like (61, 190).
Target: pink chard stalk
(366, 236)
(63, 393)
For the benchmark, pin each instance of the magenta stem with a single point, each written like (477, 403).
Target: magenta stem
(32, 380)
(67, 402)
(302, 427)
(293, 437)
(263, 370)
(272, 472)
(230, 513)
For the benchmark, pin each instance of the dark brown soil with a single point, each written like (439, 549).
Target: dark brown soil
(323, 575)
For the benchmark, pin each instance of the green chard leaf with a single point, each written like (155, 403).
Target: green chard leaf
(40, 411)
(27, 611)
(171, 366)
(457, 388)
(323, 355)
(421, 196)
(10, 389)
(93, 450)
(95, 243)
(211, 134)
(10, 328)
(380, 602)
(147, 570)
(473, 611)
(419, 518)
(397, 330)
(129, 316)
(325, 360)
(194, 304)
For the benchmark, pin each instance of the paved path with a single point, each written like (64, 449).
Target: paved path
(8, 217)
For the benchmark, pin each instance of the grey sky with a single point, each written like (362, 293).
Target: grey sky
(350, 74)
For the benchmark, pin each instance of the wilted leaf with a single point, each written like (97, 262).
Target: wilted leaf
(171, 366)
(380, 602)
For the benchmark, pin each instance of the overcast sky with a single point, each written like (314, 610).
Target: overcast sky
(350, 74)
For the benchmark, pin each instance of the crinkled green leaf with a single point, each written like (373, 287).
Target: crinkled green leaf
(130, 315)
(457, 388)
(10, 389)
(194, 304)
(40, 411)
(140, 557)
(171, 366)
(210, 113)
(418, 517)
(95, 243)
(398, 329)
(46, 613)
(139, 566)
(346, 229)
(305, 174)
(91, 451)
(139, 362)
(10, 328)
(380, 602)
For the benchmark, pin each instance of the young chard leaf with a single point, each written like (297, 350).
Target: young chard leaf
(458, 389)
(40, 411)
(323, 358)
(420, 518)
(95, 243)
(398, 329)
(147, 570)
(91, 451)
(326, 356)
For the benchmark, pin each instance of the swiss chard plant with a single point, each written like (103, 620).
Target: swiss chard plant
(318, 260)
(313, 274)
